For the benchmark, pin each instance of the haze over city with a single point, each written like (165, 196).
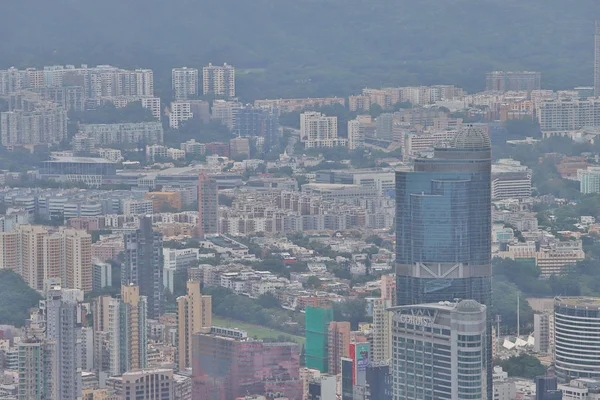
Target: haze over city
(300, 200)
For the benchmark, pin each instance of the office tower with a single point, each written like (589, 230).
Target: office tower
(149, 384)
(63, 326)
(338, 345)
(501, 81)
(546, 388)
(121, 328)
(227, 365)
(143, 265)
(576, 338)
(443, 226)
(218, 81)
(319, 130)
(448, 338)
(185, 83)
(208, 205)
(597, 60)
(37, 370)
(541, 332)
(317, 337)
(194, 312)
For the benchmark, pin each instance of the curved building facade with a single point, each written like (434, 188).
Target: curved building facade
(443, 226)
(577, 337)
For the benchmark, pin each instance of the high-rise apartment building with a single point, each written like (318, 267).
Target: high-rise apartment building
(440, 351)
(504, 81)
(257, 122)
(148, 384)
(194, 312)
(338, 345)
(144, 265)
(568, 114)
(63, 326)
(208, 205)
(356, 136)
(185, 83)
(38, 255)
(218, 80)
(180, 111)
(317, 337)
(443, 225)
(45, 124)
(37, 370)
(228, 365)
(318, 130)
(121, 331)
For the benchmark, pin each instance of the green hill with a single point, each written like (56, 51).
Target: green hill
(310, 47)
(16, 298)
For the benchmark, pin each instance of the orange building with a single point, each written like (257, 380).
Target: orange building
(160, 200)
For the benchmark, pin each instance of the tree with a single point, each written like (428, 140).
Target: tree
(313, 282)
(352, 310)
(523, 366)
(16, 298)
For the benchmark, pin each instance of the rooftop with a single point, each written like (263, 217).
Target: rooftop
(578, 302)
(86, 160)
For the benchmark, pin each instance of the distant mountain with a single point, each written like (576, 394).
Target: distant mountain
(310, 47)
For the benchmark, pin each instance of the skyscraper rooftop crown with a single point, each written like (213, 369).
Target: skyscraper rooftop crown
(471, 137)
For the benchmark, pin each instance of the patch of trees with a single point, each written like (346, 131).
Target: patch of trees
(16, 298)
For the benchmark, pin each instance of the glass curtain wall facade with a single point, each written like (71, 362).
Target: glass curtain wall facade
(443, 225)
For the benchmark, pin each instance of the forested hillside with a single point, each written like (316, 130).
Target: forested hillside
(310, 47)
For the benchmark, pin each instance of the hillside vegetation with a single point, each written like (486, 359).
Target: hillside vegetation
(311, 47)
(16, 298)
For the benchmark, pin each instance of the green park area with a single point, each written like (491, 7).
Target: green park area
(257, 331)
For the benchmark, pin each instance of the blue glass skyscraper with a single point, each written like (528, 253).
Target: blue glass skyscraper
(443, 225)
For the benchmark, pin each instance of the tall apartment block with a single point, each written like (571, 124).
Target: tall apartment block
(318, 130)
(144, 265)
(40, 122)
(148, 384)
(37, 370)
(218, 80)
(38, 255)
(502, 81)
(185, 83)
(257, 122)
(565, 115)
(440, 351)
(317, 337)
(194, 312)
(63, 326)
(121, 332)
(208, 205)
(229, 365)
(338, 345)
(443, 225)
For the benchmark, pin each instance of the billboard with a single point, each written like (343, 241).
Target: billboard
(360, 353)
